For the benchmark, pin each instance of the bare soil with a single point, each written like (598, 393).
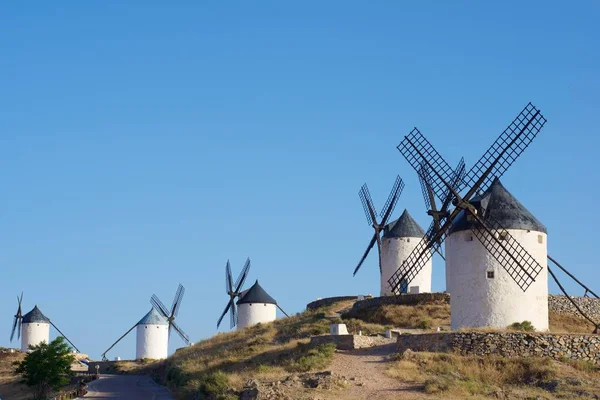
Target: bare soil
(365, 370)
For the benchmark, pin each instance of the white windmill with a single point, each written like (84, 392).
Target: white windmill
(154, 329)
(256, 306)
(392, 248)
(484, 291)
(400, 237)
(253, 305)
(33, 328)
(496, 250)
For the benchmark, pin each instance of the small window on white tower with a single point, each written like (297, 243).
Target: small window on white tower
(407, 240)
(540, 239)
(469, 238)
(490, 274)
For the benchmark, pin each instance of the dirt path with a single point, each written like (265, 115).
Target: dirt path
(367, 367)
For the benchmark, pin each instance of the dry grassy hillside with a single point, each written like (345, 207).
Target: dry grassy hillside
(275, 358)
(10, 388)
(427, 316)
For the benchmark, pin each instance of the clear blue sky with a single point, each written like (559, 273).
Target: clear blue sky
(142, 144)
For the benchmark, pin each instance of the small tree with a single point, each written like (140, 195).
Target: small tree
(46, 367)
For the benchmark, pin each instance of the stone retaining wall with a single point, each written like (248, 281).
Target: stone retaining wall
(328, 301)
(351, 342)
(556, 346)
(562, 305)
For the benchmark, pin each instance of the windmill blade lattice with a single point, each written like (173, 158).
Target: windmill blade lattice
(170, 316)
(424, 150)
(509, 253)
(385, 213)
(233, 290)
(390, 204)
(18, 320)
(509, 146)
(367, 203)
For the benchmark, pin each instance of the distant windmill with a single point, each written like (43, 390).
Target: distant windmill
(33, 328)
(254, 305)
(233, 290)
(154, 329)
(371, 215)
(170, 316)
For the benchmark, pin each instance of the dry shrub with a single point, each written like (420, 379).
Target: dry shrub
(421, 316)
(569, 324)
(471, 375)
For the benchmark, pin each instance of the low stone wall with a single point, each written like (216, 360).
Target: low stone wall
(105, 367)
(562, 305)
(506, 344)
(328, 301)
(351, 342)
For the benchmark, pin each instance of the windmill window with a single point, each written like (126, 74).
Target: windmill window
(540, 239)
(407, 240)
(265, 304)
(490, 274)
(145, 327)
(469, 238)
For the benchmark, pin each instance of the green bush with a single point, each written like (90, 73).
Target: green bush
(215, 386)
(315, 358)
(424, 323)
(437, 384)
(175, 376)
(524, 326)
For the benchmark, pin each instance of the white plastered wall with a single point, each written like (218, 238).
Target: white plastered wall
(253, 313)
(152, 341)
(479, 301)
(33, 334)
(393, 252)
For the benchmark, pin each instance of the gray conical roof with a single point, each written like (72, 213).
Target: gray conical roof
(499, 205)
(256, 294)
(35, 316)
(153, 318)
(405, 226)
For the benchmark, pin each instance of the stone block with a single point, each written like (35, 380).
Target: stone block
(338, 329)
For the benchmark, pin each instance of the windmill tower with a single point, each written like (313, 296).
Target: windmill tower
(154, 329)
(256, 306)
(392, 249)
(253, 305)
(483, 293)
(152, 339)
(33, 328)
(400, 237)
(493, 230)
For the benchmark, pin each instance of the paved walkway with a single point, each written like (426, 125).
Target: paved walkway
(129, 387)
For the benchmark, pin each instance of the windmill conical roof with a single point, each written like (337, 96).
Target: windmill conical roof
(153, 318)
(35, 316)
(256, 294)
(499, 205)
(405, 226)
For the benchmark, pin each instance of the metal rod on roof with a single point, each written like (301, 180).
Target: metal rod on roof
(596, 325)
(63, 335)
